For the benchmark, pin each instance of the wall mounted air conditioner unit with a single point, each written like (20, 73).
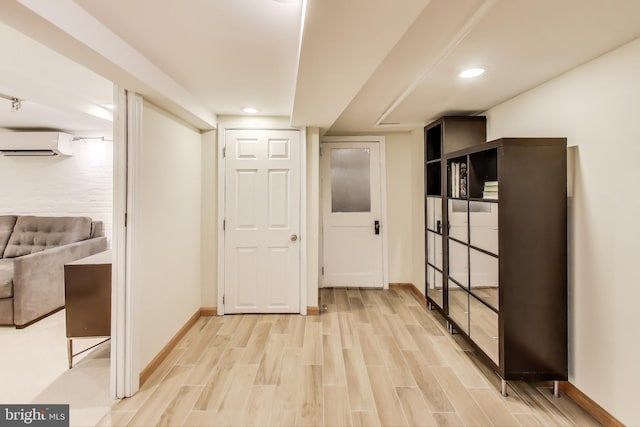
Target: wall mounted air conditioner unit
(35, 144)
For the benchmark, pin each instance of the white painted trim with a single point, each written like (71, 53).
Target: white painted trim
(264, 123)
(385, 220)
(118, 265)
(221, 138)
(135, 105)
(383, 196)
(303, 222)
(320, 216)
(125, 319)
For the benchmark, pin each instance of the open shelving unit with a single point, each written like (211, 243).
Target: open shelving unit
(444, 135)
(497, 264)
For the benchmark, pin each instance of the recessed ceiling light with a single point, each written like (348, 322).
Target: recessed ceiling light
(471, 73)
(250, 110)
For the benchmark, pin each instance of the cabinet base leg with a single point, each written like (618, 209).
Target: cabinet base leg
(556, 388)
(70, 352)
(430, 306)
(450, 328)
(503, 388)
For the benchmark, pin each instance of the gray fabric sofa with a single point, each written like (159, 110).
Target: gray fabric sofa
(33, 251)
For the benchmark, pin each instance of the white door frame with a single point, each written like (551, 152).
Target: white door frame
(383, 198)
(125, 301)
(241, 124)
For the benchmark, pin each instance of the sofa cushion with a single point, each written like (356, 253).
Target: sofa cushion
(6, 227)
(97, 229)
(33, 234)
(6, 278)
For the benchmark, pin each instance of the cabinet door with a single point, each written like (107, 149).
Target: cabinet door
(483, 273)
(459, 306)
(434, 268)
(434, 214)
(483, 328)
(434, 286)
(458, 220)
(483, 226)
(434, 249)
(459, 263)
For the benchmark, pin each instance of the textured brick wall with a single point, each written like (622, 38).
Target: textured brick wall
(80, 185)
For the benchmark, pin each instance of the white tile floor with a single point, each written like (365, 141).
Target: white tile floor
(34, 369)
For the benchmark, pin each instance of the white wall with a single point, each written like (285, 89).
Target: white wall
(399, 202)
(79, 185)
(597, 107)
(167, 249)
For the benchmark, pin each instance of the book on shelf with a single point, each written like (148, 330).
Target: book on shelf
(490, 190)
(458, 179)
(491, 195)
(463, 180)
(454, 180)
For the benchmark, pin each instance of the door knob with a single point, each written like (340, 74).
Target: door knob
(294, 237)
(376, 226)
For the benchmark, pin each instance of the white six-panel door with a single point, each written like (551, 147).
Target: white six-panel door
(262, 221)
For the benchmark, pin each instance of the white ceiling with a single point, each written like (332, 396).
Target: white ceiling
(56, 93)
(360, 65)
(228, 53)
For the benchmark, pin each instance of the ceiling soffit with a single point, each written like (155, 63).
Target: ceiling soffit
(67, 96)
(71, 31)
(434, 33)
(343, 43)
(521, 43)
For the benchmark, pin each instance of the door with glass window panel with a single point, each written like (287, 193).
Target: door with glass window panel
(351, 208)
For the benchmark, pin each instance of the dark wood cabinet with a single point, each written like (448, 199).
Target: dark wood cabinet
(88, 298)
(496, 245)
(441, 137)
(505, 246)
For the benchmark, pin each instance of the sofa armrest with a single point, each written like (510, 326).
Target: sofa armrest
(38, 279)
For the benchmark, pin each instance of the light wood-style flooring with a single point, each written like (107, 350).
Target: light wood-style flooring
(374, 358)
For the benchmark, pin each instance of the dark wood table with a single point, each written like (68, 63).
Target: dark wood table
(87, 288)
